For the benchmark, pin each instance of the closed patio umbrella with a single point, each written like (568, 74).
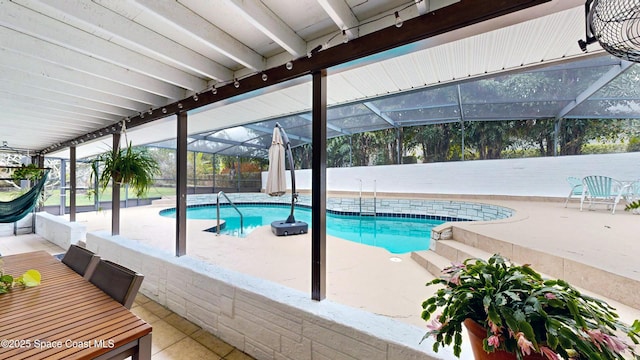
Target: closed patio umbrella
(277, 185)
(276, 181)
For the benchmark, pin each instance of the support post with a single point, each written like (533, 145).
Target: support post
(461, 121)
(399, 140)
(462, 140)
(556, 136)
(96, 191)
(350, 150)
(213, 170)
(195, 179)
(319, 186)
(38, 160)
(72, 187)
(115, 194)
(63, 186)
(238, 173)
(181, 185)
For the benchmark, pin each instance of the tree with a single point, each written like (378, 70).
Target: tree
(302, 156)
(574, 133)
(489, 138)
(434, 140)
(339, 151)
(536, 133)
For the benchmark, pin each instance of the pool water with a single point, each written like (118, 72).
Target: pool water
(397, 235)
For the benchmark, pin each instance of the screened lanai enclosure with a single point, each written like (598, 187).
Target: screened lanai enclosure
(532, 109)
(599, 88)
(518, 85)
(545, 111)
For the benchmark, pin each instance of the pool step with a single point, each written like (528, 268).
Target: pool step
(445, 253)
(431, 261)
(214, 229)
(457, 251)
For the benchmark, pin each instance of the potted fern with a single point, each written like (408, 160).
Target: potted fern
(129, 166)
(513, 313)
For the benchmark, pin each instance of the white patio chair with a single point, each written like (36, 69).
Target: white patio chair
(576, 188)
(632, 192)
(602, 190)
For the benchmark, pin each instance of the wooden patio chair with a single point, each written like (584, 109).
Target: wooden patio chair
(119, 282)
(602, 190)
(80, 260)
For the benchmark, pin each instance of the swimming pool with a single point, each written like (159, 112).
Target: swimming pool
(392, 232)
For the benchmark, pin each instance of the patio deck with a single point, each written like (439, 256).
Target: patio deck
(366, 277)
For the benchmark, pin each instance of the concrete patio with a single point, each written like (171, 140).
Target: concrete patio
(371, 278)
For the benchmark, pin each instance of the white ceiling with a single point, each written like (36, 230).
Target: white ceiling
(70, 67)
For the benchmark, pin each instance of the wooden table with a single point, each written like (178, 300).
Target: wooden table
(65, 317)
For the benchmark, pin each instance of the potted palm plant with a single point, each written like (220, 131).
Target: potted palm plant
(513, 313)
(132, 166)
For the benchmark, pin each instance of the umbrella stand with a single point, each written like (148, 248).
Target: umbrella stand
(289, 226)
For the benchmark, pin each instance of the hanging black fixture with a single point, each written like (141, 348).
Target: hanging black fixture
(615, 24)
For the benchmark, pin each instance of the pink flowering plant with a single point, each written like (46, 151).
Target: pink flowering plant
(525, 314)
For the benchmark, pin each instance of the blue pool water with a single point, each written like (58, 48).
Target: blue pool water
(397, 235)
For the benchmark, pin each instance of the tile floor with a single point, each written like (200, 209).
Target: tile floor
(177, 338)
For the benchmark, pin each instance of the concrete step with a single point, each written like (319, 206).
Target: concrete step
(488, 244)
(431, 261)
(445, 253)
(457, 251)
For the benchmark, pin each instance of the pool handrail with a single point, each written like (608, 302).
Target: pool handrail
(375, 201)
(218, 212)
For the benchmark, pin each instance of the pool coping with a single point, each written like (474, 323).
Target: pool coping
(331, 211)
(401, 207)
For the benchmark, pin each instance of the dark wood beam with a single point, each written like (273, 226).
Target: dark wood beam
(72, 185)
(449, 18)
(39, 161)
(115, 193)
(181, 185)
(319, 187)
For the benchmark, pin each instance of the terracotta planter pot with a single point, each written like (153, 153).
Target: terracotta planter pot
(477, 333)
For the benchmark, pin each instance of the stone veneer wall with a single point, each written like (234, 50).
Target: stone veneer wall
(59, 230)
(264, 319)
(437, 208)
